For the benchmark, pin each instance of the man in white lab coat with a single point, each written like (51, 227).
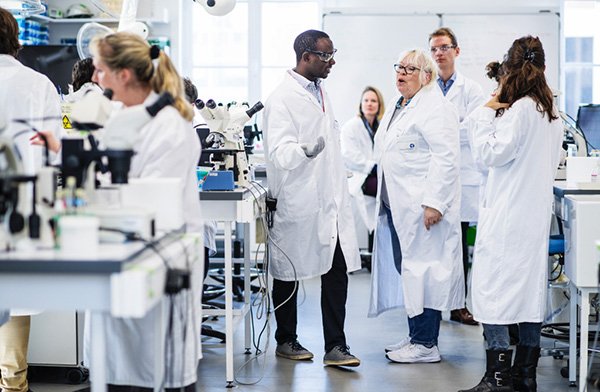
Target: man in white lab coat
(312, 232)
(25, 94)
(466, 95)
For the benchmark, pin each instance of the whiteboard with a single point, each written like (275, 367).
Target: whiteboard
(368, 46)
(486, 38)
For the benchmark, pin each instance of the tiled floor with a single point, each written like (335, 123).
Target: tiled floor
(461, 347)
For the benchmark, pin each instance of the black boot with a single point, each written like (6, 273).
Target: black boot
(524, 369)
(497, 377)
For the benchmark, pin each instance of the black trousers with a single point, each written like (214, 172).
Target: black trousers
(334, 291)
(464, 226)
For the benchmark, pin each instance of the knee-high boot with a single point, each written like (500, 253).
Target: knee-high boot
(524, 368)
(497, 377)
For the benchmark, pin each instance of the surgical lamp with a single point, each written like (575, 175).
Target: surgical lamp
(217, 7)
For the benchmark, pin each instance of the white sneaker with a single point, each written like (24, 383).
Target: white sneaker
(415, 353)
(399, 345)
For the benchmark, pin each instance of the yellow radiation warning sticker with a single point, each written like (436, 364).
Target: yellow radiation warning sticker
(66, 122)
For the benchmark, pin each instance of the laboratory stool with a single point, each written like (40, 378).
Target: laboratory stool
(210, 292)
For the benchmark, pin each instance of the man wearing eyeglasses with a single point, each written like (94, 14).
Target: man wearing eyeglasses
(466, 95)
(312, 230)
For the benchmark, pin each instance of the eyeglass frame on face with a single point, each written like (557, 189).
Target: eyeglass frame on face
(408, 69)
(323, 56)
(442, 48)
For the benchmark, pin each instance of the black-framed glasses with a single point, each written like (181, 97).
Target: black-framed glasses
(323, 56)
(407, 69)
(443, 48)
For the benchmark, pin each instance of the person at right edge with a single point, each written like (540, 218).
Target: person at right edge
(312, 232)
(518, 135)
(466, 95)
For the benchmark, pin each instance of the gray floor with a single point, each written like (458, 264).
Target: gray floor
(461, 348)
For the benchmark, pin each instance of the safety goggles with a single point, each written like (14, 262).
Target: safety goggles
(442, 49)
(323, 56)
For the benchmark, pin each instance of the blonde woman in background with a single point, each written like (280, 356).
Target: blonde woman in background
(357, 142)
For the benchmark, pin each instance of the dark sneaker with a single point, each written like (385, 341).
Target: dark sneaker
(340, 356)
(293, 350)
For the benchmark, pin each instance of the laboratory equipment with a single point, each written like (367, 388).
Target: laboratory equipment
(581, 227)
(226, 139)
(23, 7)
(120, 133)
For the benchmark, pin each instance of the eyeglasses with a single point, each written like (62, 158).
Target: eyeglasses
(323, 56)
(443, 48)
(407, 69)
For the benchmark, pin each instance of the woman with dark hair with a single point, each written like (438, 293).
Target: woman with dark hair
(25, 94)
(357, 140)
(518, 136)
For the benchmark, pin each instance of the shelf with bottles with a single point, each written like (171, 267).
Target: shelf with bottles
(47, 19)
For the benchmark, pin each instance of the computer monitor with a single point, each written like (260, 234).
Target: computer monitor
(588, 120)
(54, 61)
(203, 131)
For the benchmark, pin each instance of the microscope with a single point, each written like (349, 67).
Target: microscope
(82, 159)
(226, 143)
(119, 135)
(16, 215)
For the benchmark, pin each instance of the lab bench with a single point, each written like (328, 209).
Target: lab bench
(123, 280)
(579, 209)
(240, 206)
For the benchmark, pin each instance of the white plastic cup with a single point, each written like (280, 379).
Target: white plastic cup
(78, 235)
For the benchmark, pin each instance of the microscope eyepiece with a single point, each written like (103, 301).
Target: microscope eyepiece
(199, 104)
(255, 109)
(211, 104)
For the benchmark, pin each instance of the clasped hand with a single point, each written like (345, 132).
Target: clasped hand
(431, 216)
(315, 149)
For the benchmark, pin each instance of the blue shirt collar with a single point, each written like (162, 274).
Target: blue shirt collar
(445, 86)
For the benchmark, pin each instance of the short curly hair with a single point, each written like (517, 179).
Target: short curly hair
(82, 73)
(307, 41)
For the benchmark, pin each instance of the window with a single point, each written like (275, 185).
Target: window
(225, 69)
(582, 54)
(220, 54)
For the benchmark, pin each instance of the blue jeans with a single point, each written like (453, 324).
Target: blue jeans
(424, 329)
(497, 335)
(397, 251)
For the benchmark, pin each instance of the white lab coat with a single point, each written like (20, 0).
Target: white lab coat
(75, 96)
(510, 270)
(167, 147)
(313, 203)
(27, 94)
(420, 155)
(467, 95)
(357, 151)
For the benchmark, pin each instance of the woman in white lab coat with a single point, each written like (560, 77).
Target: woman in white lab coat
(167, 147)
(357, 142)
(417, 260)
(518, 135)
